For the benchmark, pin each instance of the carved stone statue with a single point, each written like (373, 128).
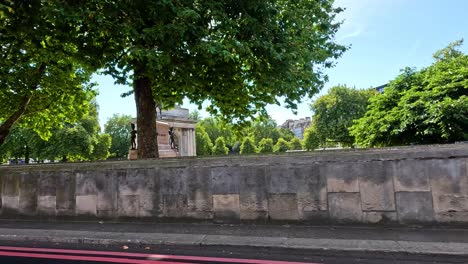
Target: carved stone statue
(133, 136)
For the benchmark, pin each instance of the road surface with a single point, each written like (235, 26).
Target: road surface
(80, 254)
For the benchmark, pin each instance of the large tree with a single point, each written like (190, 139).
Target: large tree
(334, 112)
(119, 129)
(420, 106)
(239, 55)
(43, 80)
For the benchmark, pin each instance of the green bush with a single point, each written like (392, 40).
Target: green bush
(265, 145)
(295, 144)
(220, 147)
(281, 146)
(204, 144)
(248, 146)
(311, 140)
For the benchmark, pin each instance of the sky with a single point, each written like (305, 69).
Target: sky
(384, 36)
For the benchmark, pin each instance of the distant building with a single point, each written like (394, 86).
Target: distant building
(297, 126)
(381, 88)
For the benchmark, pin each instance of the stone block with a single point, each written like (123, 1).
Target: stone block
(279, 179)
(311, 191)
(46, 205)
(174, 205)
(129, 206)
(414, 207)
(341, 176)
(376, 186)
(225, 180)
(253, 196)
(10, 203)
(136, 181)
(28, 194)
(132, 154)
(252, 208)
(379, 217)
(173, 180)
(449, 184)
(410, 175)
(283, 206)
(226, 207)
(65, 193)
(199, 192)
(11, 185)
(107, 194)
(452, 217)
(448, 176)
(86, 205)
(47, 183)
(450, 203)
(85, 183)
(345, 207)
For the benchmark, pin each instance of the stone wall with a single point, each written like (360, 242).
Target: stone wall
(417, 185)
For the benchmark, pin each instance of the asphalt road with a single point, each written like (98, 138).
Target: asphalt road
(73, 254)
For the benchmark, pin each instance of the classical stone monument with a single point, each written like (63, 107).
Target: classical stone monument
(176, 134)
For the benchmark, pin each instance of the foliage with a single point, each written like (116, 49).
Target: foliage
(79, 141)
(420, 107)
(220, 147)
(195, 115)
(334, 112)
(262, 128)
(295, 144)
(311, 139)
(238, 55)
(216, 128)
(248, 146)
(281, 146)
(101, 147)
(203, 142)
(285, 133)
(118, 127)
(43, 79)
(265, 145)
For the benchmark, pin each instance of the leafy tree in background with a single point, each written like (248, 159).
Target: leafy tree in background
(420, 107)
(195, 115)
(285, 134)
(79, 141)
(311, 139)
(118, 127)
(215, 127)
(295, 144)
(334, 112)
(248, 146)
(203, 141)
(20, 143)
(281, 146)
(265, 145)
(220, 147)
(43, 78)
(263, 128)
(238, 55)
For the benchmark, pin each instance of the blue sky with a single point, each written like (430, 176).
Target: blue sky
(385, 36)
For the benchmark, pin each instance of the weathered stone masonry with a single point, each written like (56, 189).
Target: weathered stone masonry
(421, 185)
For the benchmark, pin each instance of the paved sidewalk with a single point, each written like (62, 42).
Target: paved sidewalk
(440, 241)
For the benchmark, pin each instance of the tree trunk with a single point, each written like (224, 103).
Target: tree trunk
(147, 143)
(6, 126)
